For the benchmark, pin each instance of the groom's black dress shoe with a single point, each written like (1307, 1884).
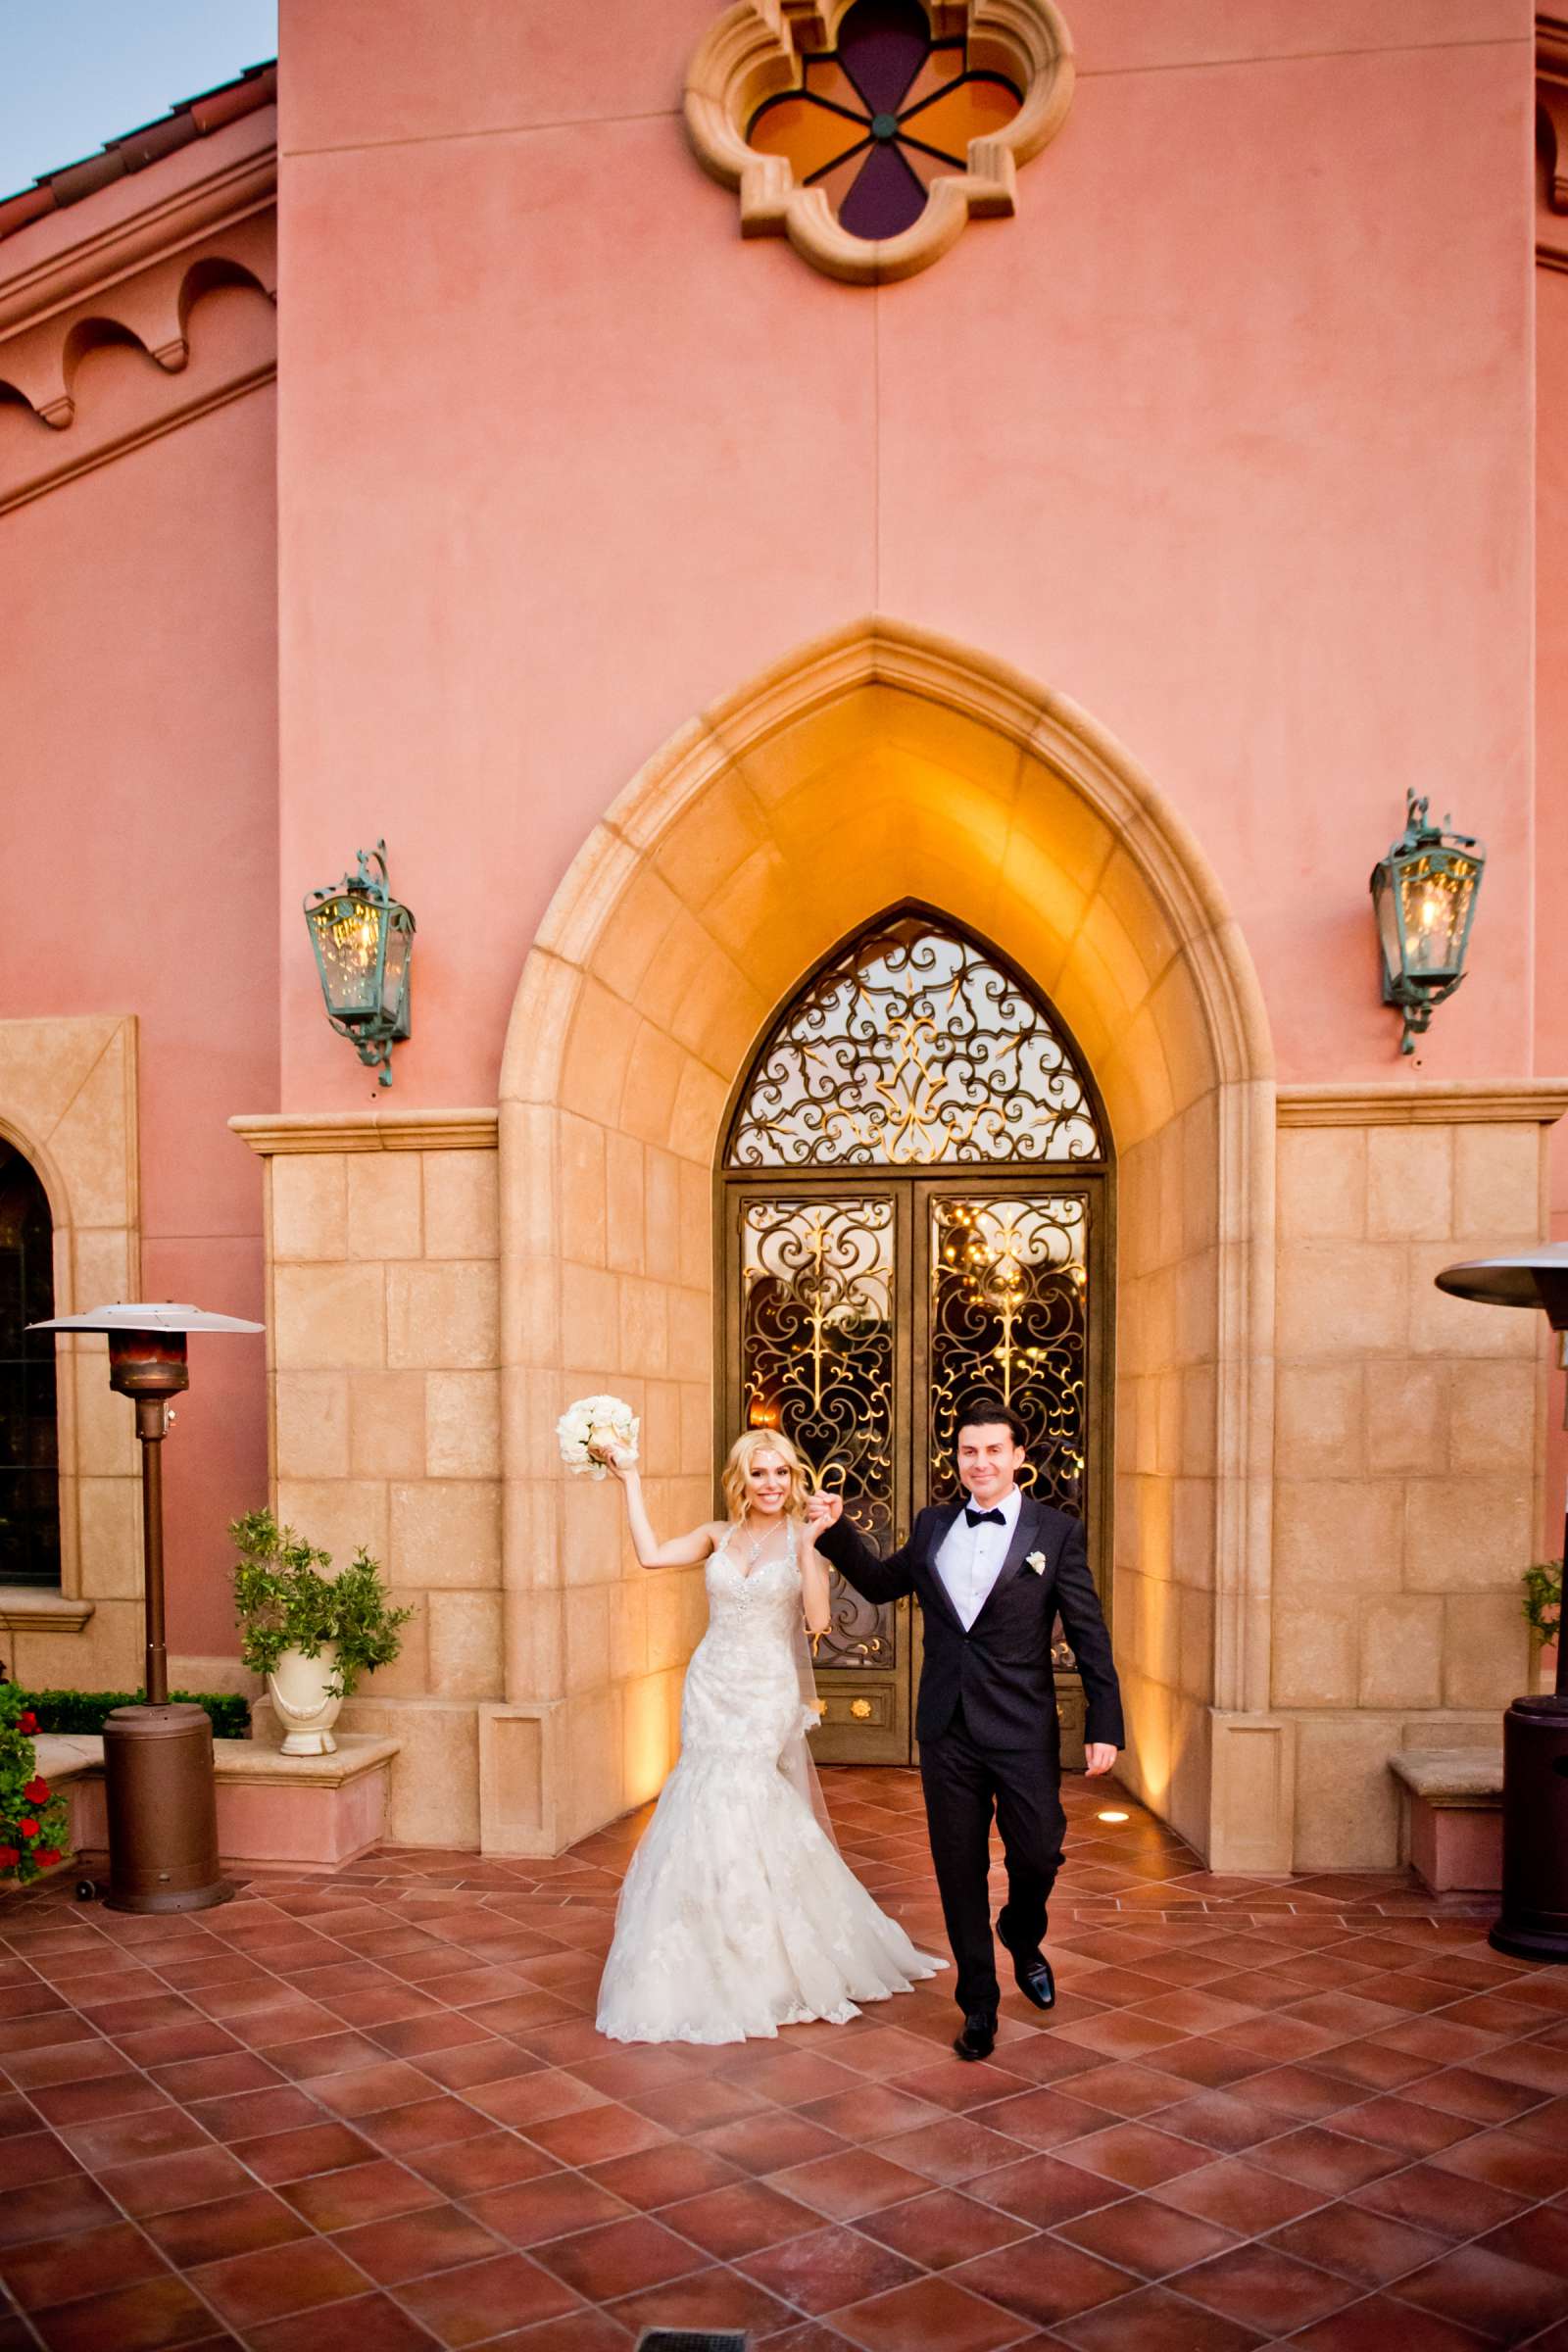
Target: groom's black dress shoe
(979, 2036)
(1035, 1980)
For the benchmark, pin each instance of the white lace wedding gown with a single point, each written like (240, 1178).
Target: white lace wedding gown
(738, 1914)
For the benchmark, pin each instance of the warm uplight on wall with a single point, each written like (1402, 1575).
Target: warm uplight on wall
(364, 942)
(1424, 895)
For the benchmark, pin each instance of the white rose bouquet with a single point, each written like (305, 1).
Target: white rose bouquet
(594, 1423)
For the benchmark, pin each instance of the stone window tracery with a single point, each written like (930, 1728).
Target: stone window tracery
(868, 131)
(874, 121)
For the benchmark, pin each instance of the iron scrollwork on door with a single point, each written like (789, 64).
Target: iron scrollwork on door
(917, 1055)
(816, 1362)
(913, 1047)
(1010, 1289)
(1009, 1312)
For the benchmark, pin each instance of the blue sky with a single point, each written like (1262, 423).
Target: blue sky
(76, 73)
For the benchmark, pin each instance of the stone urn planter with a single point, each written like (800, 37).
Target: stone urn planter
(298, 1689)
(303, 1628)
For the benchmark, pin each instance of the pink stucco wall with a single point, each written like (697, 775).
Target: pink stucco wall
(1551, 769)
(1227, 435)
(140, 870)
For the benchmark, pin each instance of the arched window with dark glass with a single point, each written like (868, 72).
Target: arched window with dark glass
(30, 1444)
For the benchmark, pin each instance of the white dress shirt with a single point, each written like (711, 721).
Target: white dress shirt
(969, 1559)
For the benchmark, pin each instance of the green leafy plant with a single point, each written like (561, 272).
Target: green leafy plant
(33, 1819)
(1543, 1601)
(80, 1713)
(284, 1601)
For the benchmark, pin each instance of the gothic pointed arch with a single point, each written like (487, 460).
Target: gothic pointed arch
(882, 764)
(916, 1045)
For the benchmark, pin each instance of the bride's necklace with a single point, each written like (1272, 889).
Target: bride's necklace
(756, 1546)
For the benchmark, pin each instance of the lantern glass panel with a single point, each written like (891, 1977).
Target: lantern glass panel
(1387, 908)
(1435, 894)
(394, 978)
(350, 944)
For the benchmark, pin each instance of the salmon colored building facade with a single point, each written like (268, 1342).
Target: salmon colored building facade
(465, 438)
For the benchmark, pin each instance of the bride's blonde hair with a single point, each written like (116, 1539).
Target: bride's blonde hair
(745, 1450)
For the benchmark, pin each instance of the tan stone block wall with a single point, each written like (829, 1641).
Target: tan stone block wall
(385, 1401)
(1408, 1436)
(616, 1295)
(1164, 1617)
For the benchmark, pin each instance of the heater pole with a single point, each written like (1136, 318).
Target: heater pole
(152, 1420)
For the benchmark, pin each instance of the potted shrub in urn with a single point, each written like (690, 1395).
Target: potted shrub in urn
(310, 1633)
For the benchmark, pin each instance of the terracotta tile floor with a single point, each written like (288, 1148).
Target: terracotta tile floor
(370, 2110)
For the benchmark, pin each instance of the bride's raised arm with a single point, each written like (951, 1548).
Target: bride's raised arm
(681, 1551)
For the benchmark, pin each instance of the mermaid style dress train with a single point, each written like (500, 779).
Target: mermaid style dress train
(739, 1915)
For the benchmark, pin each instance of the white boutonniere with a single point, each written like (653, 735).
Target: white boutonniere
(1036, 1562)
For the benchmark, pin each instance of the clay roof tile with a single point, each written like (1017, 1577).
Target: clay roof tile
(133, 150)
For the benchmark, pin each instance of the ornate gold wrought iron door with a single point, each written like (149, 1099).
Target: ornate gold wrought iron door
(860, 1322)
(915, 1205)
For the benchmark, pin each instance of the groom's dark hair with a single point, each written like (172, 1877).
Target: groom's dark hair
(987, 1411)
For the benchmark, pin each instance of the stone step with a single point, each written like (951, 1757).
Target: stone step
(1451, 1832)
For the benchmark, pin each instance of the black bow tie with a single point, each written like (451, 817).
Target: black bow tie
(979, 1518)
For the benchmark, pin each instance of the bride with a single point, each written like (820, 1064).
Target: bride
(738, 1914)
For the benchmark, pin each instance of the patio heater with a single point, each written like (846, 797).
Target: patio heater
(158, 1758)
(1534, 1925)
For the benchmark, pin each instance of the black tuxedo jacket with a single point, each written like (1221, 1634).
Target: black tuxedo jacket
(1000, 1668)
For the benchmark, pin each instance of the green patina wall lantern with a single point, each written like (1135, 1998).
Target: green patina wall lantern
(364, 941)
(1424, 895)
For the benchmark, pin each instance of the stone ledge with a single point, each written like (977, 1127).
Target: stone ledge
(64, 1758)
(1450, 1775)
(1443, 1102)
(310, 1811)
(272, 1133)
(34, 1609)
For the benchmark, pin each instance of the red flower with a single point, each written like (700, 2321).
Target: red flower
(47, 1855)
(36, 1793)
(26, 1827)
(9, 1858)
(28, 1722)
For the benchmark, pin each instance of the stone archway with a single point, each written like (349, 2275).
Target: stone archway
(881, 762)
(67, 1103)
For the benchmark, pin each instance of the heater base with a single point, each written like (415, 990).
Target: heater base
(162, 1811)
(1524, 1943)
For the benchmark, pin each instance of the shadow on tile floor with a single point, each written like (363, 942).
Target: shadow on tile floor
(368, 2110)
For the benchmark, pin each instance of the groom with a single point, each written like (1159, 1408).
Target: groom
(992, 1575)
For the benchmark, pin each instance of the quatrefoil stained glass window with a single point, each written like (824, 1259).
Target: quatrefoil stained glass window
(874, 121)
